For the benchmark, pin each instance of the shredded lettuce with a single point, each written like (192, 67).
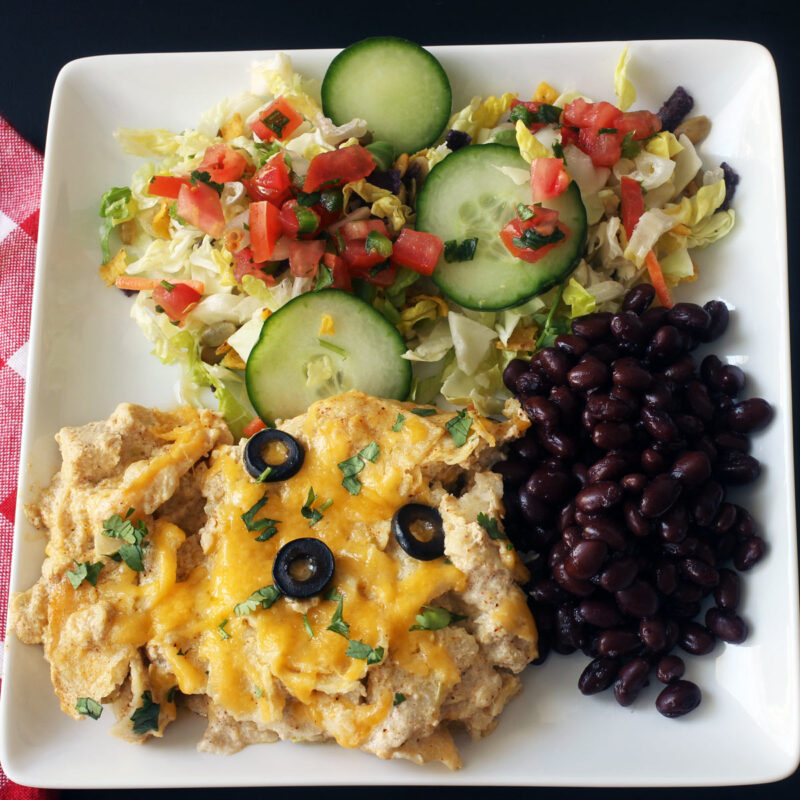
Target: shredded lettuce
(623, 88)
(651, 226)
(663, 144)
(712, 229)
(578, 299)
(276, 77)
(677, 266)
(472, 341)
(529, 146)
(693, 209)
(116, 207)
(434, 343)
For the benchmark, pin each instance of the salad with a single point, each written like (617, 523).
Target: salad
(452, 242)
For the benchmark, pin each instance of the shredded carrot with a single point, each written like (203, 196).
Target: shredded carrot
(135, 284)
(657, 279)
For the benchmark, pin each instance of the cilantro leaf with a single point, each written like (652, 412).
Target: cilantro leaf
(399, 697)
(533, 240)
(132, 552)
(424, 412)
(324, 278)
(460, 251)
(558, 151)
(88, 707)
(308, 199)
(356, 649)
(264, 527)
(434, 618)
(205, 177)
(264, 597)
(608, 130)
(370, 452)
(525, 212)
(398, 423)
(338, 625)
(519, 112)
(132, 555)
(630, 149)
(171, 694)
(489, 524)
(307, 626)
(223, 634)
(331, 199)
(352, 484)
(313, 515)
(258, 692)
(458, 427)
(145, 718)
(276, 122)
(84, 571)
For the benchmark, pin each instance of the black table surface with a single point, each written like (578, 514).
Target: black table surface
(38, 38)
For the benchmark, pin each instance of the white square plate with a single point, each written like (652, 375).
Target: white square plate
(87, 355)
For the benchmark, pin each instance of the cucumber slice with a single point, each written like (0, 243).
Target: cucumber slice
(466, 195)
(398, 87)
(292, 365)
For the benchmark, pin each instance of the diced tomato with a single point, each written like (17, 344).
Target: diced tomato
(277, 121)
(177, 301)
(200, 206)
(545, 221)
(133, 283)
(253, 427)
(632, 201)
(533, 107)
(605, 149)
(271, 182)
(245, 264)
(360, 229)
(548, 178)
(265, 228)
(339, 273)
(222, 163)
(304, 257)
(591, 115)
(357, 257)
(642, 124)
(166, 186)
(338, 167)
(382, 275)
(417, 250)
(290, 223)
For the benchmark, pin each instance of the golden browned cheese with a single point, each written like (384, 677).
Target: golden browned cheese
(280, 672)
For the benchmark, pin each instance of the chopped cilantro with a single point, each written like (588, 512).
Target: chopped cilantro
(313, 515)
(519, 112)
(266, 526)
(558, 151)
(424, 412)
(132, 552)
(370, 452)
(544, 114)
(460, 251)
(84, 572)
(352, 466)
(276, 122)
(327, 504)
(525, 212)
(398, 423)
(533, 240)
(434, 618)
(167, 285)
(258, 692)
(338, 625)
(307, 626)
(88, 707)
(223, 634)
(264, 597)
(265, 151)
(630, 149)
(608, 130)
(334, 348)
(364, 652)
(489, 524)
(458, 427)
(399, 697)
(145, 718)
(331, 199)
(308, 198)
(171, 694)
(205, 177)
(182, 652)
(324, 278)
(378, 243)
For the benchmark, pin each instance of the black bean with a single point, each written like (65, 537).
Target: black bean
(605, 530)
(619, 574)
(745, 524)
(569, 629)
(571, 536)
(547, 591)
(654, 318)
(690, 317)
(706, 503)
(666, 577)
(727, 625)
(576, 586)
(541, 411)
(695, 639)
(599, 497)
(628, 329)
(709, 370)
(637, 600)
(719, 314)
(531, 383)
(659, 496)
(731, 379)
(659, 396)
(581, 474)
(670, 669)
(566, 516)
(618, 642)
(639, 299)
(699, 572)
(555, 364)
(609, 467)
(632, 679)
(634, 520)
(589, 373)
(689, 425)
(652, 462)
(728, 440)
(692, 468)
(725, 519)
(605, 408)
(526, 448)
(749, 552)
(726, 592)
(511, 374)
(634, 482)
(612, 435)
(629, 372)
(687, 592)
(674, 525)
(513, 472)
(593, 327)
(699, 401)
(600, 613)
(678, 698)
(737, 468)
(749, 415)
(659, 424)
(567, 404)
(653, 633)
(572, 345)
(598, 675)
(585, 559)
(557, 442)
(666, 345)
(552, 486)
(534, 510)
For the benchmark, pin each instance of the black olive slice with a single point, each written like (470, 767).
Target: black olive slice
(422, 519)
(256, 464)
(303, 567)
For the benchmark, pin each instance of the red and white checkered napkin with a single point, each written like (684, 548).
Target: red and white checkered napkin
(20, 189)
